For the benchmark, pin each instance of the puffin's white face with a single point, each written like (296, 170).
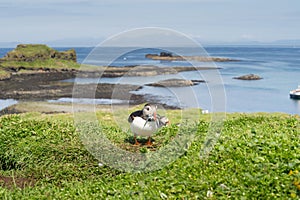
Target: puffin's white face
(149, 111)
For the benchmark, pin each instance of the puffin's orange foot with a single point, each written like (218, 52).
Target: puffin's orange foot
(149, 143)
(136, 143)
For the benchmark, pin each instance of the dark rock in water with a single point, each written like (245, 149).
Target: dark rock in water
(248, 77)
(165, 54)
(198, 81)
(175, 83)
(150, 55)
(33, 52)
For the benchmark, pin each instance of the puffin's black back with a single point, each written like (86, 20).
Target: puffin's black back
(138, 113)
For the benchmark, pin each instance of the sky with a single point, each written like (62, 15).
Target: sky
(80, 21)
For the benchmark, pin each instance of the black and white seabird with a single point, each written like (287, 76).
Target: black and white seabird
(145, 122)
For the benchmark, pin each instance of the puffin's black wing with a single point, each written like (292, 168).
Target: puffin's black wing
(138, 113)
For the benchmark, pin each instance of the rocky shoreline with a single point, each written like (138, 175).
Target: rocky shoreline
(138, 70)
(43, 84)
(49, 85)
(36, 73)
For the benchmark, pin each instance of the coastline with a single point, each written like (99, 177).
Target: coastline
(242, 96)
(47, 84)
(36, 72)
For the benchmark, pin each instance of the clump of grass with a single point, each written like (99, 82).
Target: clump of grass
(30, 50)
(41, 64)
(43, 149)
(4, 74)
(256, 157)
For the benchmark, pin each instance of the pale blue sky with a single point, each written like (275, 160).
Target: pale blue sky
(31, 21)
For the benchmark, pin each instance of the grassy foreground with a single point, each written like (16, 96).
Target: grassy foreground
(256, 157)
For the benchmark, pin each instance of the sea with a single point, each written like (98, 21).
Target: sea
(279, 67)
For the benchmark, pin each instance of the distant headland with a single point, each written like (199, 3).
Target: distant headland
(166, 56)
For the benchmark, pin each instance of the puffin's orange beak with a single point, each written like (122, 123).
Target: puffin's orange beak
(154, 116)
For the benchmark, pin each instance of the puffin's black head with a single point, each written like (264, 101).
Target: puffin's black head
(149, 112)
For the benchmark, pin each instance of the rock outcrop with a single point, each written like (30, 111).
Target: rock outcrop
(248, 77)
(175, 83)
(165, 56)
(33, 52)
(138, 70)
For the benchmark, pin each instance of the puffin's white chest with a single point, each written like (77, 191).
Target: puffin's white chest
(139, 127)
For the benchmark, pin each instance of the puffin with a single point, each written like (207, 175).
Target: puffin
(145, 122)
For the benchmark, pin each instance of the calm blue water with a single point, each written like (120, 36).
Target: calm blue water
(279, 67)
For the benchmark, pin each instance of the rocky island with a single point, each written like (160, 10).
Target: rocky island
(33, 52)
(248, 77)
(175, 82)
(165, 56)
(36, 58)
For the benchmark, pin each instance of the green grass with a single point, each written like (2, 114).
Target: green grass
(42, 64)
(4, 74)
(256, 157)
(32, 50)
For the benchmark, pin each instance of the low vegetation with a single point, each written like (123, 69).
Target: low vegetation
(256, 157)
(28, 57)
(51, 63)
(4, 74)
(33, 52)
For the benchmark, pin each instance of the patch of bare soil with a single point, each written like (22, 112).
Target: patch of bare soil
(13, 182)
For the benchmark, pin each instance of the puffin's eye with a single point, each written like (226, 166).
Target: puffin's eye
(148, 108)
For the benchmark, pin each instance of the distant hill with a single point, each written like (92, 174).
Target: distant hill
(91, 42)
(288, 42)
(295, 42)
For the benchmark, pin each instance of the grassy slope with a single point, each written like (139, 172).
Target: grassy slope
(42, 64)
(31, 51)
(254, 158)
